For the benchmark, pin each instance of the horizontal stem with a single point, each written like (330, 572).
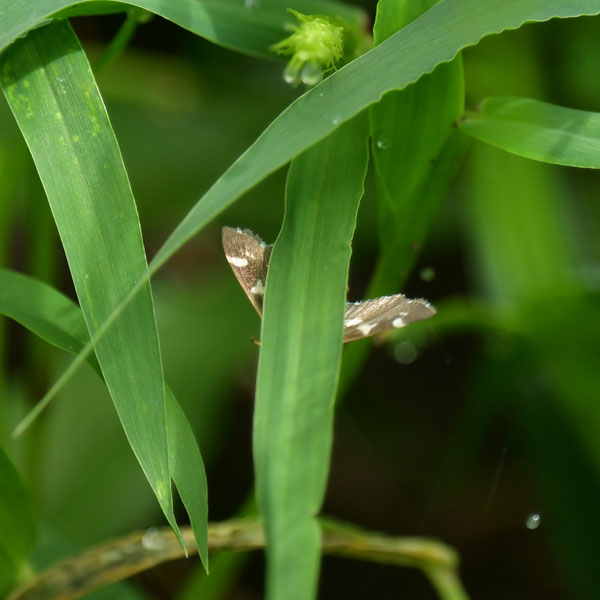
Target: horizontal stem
(123, 557)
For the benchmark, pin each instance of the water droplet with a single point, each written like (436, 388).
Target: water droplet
(427, 273)
(533, 521)
(291, 74)
(405, 353)
(311, 74)
(151, 539)
(383, 142)
(251, 4)
(336, 120)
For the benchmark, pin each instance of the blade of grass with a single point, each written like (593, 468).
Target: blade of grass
(416, 151)
(57, 320)
(122, 38)
(245, 26)
(537, 130)
(450, 25)
(17, 524)
(433, 38)
(52, 93)
(301, 346)
(411, 130)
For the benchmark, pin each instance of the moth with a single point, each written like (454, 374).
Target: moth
(249, 257)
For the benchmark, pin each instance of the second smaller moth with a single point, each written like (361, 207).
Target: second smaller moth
(249, 257)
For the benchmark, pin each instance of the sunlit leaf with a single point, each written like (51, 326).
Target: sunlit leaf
(57, 320)
(249, 26)
(433, 38)
(300, 354)
(52, 93)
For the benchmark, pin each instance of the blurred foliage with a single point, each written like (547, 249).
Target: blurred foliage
(494, 418)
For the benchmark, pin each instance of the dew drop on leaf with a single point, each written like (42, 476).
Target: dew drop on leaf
(533, 521)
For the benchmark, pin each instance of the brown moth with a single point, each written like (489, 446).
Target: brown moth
(249, 256)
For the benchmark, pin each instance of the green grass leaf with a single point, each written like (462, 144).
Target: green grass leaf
(300, 354)
(537, 130)
(17, 523)
(451, 26)
(248, 26)
(52, 93)
(435, 37)
(187, 470)
(59, 321)
(417, 151)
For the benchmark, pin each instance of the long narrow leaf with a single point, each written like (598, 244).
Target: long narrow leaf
(249, 26)
(433, 38)
(52, 93)
(417, 150)
(57, 320)
(450, 26)
(17, 523)
(300, 354)
(538, 130)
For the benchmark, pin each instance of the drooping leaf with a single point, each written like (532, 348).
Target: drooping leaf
(451, 26)
(249, 26)
(537, 130)
(52, 93)
(57, 320)
(17, 523)
(433, 38)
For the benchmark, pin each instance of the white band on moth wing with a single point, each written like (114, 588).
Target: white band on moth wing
(352, 322)
(237, 261)
(258, 288)
(366, 328)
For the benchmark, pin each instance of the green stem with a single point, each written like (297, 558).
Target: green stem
(446, 583)
(122, 38)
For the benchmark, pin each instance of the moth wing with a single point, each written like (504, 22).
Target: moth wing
(371, 317)
(248, 256)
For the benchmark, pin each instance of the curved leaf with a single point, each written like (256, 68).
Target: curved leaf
(52, 93)
(435, 37)
(537, 130)
(449, 26)
(17, 523)
(249, 26)
(58, 320)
